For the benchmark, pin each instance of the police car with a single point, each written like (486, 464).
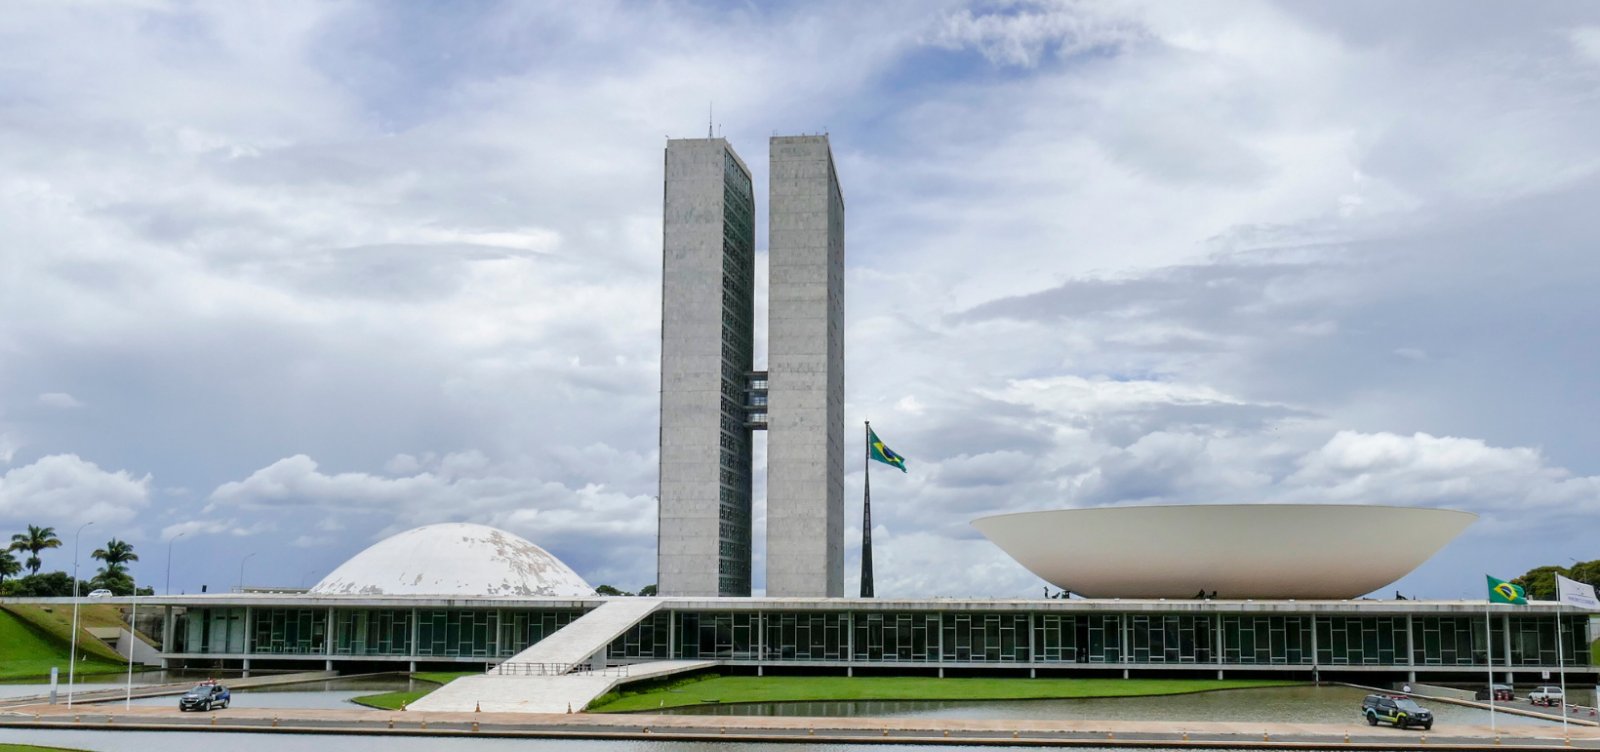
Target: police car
(1400, 711)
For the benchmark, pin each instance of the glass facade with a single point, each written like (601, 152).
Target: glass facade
(290, 631)
(738, 348)
(372, 632)
(911, 637)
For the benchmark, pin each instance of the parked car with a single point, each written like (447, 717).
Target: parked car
(205, 697)
(1547, 696)
(100, 593)
(1400, 711)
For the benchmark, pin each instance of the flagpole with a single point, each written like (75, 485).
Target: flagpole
(1488, 637)
(1561, 663)
(866, 513)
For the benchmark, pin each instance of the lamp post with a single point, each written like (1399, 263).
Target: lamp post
(72, 651)
(169, 561)
(241, 569)
(133, 636)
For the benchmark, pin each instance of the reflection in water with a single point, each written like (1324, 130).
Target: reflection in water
(1307, 704)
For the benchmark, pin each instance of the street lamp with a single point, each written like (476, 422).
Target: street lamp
(241, 569)
(72, 654)
(133, 636)
(169, 561)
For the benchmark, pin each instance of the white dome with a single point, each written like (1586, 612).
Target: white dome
(455, 558)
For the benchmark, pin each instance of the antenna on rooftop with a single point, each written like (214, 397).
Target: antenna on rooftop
(709, 106)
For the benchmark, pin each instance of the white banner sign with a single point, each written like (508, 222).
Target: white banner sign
(1574, 593)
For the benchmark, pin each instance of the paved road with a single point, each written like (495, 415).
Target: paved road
(836, 730)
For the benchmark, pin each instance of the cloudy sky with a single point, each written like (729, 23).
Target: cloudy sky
(284, 278)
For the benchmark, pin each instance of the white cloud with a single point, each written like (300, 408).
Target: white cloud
(1586, 41)
(60, 400)
(70, 489)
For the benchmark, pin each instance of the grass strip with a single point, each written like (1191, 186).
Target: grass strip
(398, 700)
(740, 689)
(31, 748)
(28, 651)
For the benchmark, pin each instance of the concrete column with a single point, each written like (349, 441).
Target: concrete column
(850, 636)
(416, 650)
(1411, 656)
(1505, 633)
(1217, 640)
(672, 635)
(1030, 645)
(246, 668)
(249, 631)
(327, 636)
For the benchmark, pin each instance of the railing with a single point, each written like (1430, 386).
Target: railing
(554, 669)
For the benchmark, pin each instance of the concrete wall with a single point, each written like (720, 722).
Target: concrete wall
(805, 415)
(706, 281)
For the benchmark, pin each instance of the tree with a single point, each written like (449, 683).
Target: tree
(1540, 582)
(35, 540)
(608, 590)
(115, 580)
(648, 591)
(48, 585)
(8, 567)
(1587, 572)
(115, 554)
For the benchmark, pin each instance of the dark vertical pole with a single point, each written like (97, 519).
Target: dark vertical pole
(866, 518)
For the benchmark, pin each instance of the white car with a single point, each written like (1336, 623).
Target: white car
(1547, 696)
(100, 593)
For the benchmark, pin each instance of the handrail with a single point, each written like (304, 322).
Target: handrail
(554, 669)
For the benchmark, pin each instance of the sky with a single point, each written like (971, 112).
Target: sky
(279, 279)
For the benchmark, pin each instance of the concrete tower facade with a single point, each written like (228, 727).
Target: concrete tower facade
(707, 345)
(805, 367)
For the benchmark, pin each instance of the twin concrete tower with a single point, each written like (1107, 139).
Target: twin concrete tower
(713, 399)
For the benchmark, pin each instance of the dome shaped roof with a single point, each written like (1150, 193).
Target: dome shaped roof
(455, 558)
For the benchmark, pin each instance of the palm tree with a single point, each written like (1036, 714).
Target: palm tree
(35, 540)
(115, 554)
(8, 566)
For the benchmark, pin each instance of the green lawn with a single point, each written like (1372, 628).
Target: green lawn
(727, 689)
(31, 748)
(27, 651)
(398, 700)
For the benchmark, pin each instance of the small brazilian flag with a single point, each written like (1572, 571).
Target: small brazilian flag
(1501, 591)
(876, 450)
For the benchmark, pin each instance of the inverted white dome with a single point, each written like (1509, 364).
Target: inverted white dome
(1300, 551)
(455, 558)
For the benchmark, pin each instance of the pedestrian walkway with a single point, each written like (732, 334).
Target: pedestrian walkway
(558, 673)
(550, 693)
(587, 635)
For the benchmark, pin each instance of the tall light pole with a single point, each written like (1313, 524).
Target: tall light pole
(169, 561)
(133, 636)
(241, 569)
(72, 653)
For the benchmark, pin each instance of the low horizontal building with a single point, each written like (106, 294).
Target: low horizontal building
(469, 596)
(1302, 639)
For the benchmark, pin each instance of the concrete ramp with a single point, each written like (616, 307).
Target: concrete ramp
(556, 693)
(561, 673)
(584, 637)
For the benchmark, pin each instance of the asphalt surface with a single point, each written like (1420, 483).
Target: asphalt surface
(1075, 732)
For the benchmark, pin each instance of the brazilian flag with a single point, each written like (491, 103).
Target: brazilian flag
(876, 450)
(1501, 591)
